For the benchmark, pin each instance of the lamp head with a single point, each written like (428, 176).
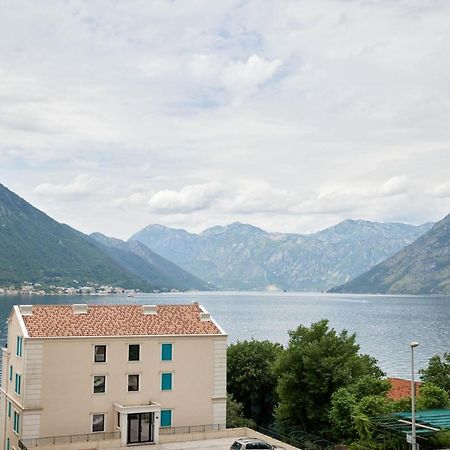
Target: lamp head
(414, 344)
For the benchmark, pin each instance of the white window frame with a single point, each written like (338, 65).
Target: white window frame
(139, 383)
(171, 417)
(92, 422)
(160, 381)
(18, 374)
(106, 384)
(16, 414)
(19, 347)
(128, 353)
(93, 354)
(166, 361)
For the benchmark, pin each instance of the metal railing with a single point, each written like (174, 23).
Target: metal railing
(192, 429)
(298, 438)
(25, 444)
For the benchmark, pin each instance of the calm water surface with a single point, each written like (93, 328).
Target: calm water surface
(384, 325)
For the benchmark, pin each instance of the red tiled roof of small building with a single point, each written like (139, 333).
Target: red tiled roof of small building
(401, 388)
(117, 320)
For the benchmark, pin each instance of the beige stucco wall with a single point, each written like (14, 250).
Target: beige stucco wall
(67, 399)
(8, 387)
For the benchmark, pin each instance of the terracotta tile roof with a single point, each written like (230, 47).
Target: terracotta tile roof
(117, 320)
(401, 388)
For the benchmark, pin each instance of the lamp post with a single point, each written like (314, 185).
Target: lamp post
(413, 399)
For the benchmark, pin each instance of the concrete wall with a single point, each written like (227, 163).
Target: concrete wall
(229, 432)
(226, 433)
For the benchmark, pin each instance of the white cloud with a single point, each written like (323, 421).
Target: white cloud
(395, 185)
(243, 78)
(187, 199)
(83, 185)
(304, 112)
(441, 190)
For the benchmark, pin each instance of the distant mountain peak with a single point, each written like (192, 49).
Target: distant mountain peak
(242, 256)
(422, 267)
(232, 227)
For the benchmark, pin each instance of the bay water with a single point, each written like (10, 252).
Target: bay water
(384, 325)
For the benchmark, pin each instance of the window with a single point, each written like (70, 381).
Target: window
(19, 346)
(16, 422)
(118, 420)
(8, 444)
(98, 422)
(166, 418)
(10, 373)
(99, 384)
(236, 446)
(9, 409)
(166, 381)
(18, 383)
(100, 353)
(166, 352)
(133, 383)
(134, 351)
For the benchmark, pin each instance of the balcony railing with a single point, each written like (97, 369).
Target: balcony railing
(26, 444)
(191, 429)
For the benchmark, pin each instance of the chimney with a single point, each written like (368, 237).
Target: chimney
(26, 310)
(149, 309)
(80, 308)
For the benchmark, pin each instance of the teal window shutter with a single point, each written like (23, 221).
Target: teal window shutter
(166, 352)
(7, 444)
(166, 381)
(19, 346)
(10, 373)
(9, 409)
(16, 422)
(18, 381)
(166, 418)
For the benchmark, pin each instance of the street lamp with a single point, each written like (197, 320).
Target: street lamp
(413, 399)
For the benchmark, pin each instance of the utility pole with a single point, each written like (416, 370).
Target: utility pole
(413, 400)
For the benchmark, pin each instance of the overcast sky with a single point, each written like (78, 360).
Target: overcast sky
(289, 115)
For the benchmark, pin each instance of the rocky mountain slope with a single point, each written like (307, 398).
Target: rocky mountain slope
(240, 256)
(147, 265)
(36, 248)
(421, 268)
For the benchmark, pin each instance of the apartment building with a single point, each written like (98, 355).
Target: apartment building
(133, 369)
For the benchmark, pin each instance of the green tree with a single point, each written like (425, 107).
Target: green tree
(251, 378)
(432, 397)
(438, 371)
(349, 401)
(317, 362)
(235, 415)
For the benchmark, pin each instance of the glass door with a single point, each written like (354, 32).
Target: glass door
(133, 428)
(140, 428)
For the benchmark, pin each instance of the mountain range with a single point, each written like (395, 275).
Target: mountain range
(146, 264)
(38, 249)
(355, 255)
(421, 268)
(241, 256)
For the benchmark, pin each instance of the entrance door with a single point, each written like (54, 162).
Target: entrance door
(140, 428)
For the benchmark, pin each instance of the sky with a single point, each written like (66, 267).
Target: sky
(289, 115)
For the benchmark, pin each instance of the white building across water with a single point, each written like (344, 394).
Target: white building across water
(123, 370)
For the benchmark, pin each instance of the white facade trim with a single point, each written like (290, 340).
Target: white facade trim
(23, 328)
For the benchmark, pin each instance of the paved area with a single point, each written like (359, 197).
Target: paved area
(213, 444)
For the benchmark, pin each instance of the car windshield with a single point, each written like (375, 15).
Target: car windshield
(236, 446)
(259, 445)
